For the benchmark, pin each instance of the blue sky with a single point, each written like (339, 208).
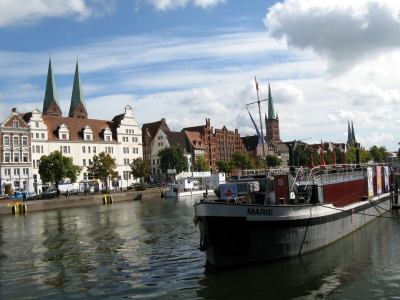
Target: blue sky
(188, 60)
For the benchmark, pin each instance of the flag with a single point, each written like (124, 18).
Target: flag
(256, 85)
(260, 139)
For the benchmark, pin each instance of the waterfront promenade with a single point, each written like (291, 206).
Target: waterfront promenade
(79, 200)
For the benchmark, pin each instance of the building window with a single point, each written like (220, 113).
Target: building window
(94, 149)
(32, 135)
(25, 157)
(90, 162)
(37, 149)
(37, 124)
(85, 176)
(41, 148)
(15, 141)
(88, 149)
(7, 172)
(16, 171)
(65, 149)
(64, 136)
(25, 171)
(6, 140)
(83, 149)
(15, 124)
(24, 141)
(42, 135)
(69, 148)
(16, 157)
(7, 157)
(108, 138)
(37, 135)
(84, 162)
(38, 163)
(88, 137)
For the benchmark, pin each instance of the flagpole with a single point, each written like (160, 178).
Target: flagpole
(262, 137)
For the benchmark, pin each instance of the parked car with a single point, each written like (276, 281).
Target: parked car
(32, 196)
(74, 192)
(20, 195)
(4, 196)
(47, 195)
(132, 186)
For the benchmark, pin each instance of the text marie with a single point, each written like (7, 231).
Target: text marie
(259, 211)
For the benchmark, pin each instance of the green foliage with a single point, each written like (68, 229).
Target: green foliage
(173, 158)
(56, 168)
(241, 160)
(300, 156)
(201, 164)
(378, 154)
(140, 168)
(103, 165)
(141, 187)
(273, 161)
(225, 167)
(338, 155)
(365, 156)
(328, 157)
(257, 162)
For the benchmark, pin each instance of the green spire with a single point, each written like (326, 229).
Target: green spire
(51, 91)
(77, 93)
(350, 140)
(271, 111)
(353, 135)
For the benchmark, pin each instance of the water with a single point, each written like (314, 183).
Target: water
(148, 250)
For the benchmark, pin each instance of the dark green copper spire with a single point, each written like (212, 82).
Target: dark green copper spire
(51, 104)
(271, 110)
(78, 105)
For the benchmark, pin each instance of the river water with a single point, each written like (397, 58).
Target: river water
(148, 250)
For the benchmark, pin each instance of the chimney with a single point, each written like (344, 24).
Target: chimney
(14, 109)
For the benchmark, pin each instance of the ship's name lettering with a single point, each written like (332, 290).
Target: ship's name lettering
(260, 211)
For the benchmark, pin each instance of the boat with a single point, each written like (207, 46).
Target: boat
(289, 214)
(194, 183)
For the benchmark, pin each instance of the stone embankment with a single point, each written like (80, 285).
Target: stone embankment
(76, 201)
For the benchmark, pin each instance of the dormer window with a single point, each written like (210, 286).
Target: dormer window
(87, 133)
(88, 137)
(64, 136)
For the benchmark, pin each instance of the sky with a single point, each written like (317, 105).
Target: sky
(327, 62)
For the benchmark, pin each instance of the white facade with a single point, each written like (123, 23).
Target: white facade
(125, 146)
(15, 163)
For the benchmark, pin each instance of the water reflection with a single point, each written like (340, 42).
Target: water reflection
(148, 250)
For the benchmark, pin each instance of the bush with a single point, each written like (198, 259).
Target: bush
(141, 187)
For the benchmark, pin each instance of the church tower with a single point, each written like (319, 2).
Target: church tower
(78, 105)
(272, 121)
(51, 104)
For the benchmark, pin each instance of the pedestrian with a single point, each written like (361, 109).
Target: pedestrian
(24, 197)
(85, 191)
(67, 194)
(58, 193)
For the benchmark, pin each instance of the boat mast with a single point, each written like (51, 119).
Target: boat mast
(262, 137)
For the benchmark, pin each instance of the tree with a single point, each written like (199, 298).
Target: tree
(56, 168)
(273, 161)
(338, 155)
(226, 167)
(140, 168)
(300, 154)
(365, 156)
(258, 162)
(201, 164)
(241, 160)
(103, 166)
(376, 153)
(173, 158)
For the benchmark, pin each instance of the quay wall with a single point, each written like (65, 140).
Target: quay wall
(76, 201)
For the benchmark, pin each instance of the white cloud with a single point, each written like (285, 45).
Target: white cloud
(346, 33)
(26, 12)
(22, 12)
(28, 87)
(174, 4)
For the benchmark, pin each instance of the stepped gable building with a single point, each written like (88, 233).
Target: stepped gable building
(79, 137)
(15, 151)
(163, 140)
(149, 131)
(196, 146)
(219, 144)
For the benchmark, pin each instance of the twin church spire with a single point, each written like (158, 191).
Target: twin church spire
(51, 103)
